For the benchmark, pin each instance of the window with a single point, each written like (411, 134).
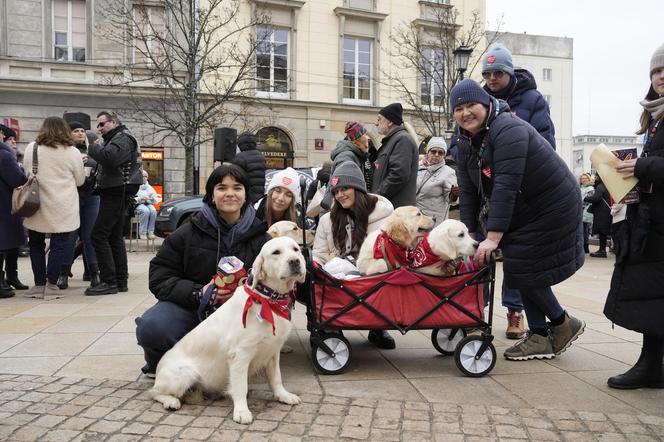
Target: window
(357, 70)
(433, 76)
(276, 146)
(149, 30)
(360, 4)
(272, 60)
(546, 74)
(69, 30)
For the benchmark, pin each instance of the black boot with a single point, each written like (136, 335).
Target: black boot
(598, 254)
(647, 372)
(381, 339)
(101, 289)
(5, 289)
(94, 279)
(86, 275)
(63, 279)
(13, 281)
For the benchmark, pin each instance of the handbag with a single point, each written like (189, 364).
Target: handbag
(25, 198)
(313, 209)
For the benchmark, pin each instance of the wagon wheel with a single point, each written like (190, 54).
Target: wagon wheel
(336, 362)
(445, 340)
(469, 362)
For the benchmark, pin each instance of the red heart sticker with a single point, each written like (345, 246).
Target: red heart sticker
(286, 180)
(491, 59)
(335, 180)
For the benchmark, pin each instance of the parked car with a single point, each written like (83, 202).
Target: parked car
(175, 212)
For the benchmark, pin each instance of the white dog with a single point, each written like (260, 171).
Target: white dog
(388, 247)
(221, 353)
(446, 242)
(290, 230)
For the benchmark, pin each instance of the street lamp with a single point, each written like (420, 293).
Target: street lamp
(461, 58)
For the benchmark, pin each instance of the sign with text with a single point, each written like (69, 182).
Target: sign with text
(319, 144)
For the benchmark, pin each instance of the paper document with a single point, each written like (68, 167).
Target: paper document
(604, 161)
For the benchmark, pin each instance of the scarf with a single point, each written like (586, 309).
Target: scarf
(227, 233)
(386, 248)
(275, 303)
(655, 107)
(423, 256)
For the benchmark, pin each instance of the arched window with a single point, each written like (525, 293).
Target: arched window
(276, 146)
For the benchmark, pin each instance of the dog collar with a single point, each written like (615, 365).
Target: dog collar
(386, 248)
(269, 306)
(423, 256)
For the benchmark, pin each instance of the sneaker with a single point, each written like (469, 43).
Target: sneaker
(52, 291)
(564, 334)
(532, 346)
(598, 254)
(381, 339)
(516, 328)
(150, 236)
(36, 291)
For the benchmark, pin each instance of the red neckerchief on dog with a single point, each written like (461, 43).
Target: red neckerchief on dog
(386, 248)
(423, 256)
(270, 302)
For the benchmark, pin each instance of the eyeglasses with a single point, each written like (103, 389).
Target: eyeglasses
(436, 152)
(496, 74)
(100, 125)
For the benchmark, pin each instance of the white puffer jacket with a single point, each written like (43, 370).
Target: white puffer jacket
(433, 190)
(324, 248)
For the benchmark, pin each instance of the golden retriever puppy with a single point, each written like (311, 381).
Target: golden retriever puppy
(290, 230)
(446, 242)
(389, 247)
(242, 337)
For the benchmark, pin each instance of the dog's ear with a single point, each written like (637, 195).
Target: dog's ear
(444, 247)
(272, 231)
(257, 272)
(399, 232)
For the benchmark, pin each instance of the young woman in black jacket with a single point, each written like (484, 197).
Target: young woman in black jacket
(226, 225)
(636, 297)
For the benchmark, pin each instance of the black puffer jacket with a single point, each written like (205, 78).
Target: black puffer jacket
(636, 297)
(252, 162)
(119, 159)
(395, 169)
(534, 200)
(601, 210)
(188, 259)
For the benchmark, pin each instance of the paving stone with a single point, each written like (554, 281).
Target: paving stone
(196, 433)
(361, 402)
(292, 429)
(510, 431)
(122, 415)
(104, 426)
(387, 412)
(48, 421)
(279, 437)
(225, 436)
(576, 436)
(570, 425)
(416, 436)
(446, 417)
(77, 423)
(416, 415)
(178, 420)
(60, 435)
(20, 418)
(6, 430)
(68, 410)
(96, 412)
(76, 389)
(591, 416)
(272, 415)
(416, 426)
(360, 411)
(543, 434)
(601, 426)
(623, 418)
(386, 435)
(446, 427)
(254, 437)
(84, 400)
(540, 423)
(335, 400)
(262, 425)
(354, 432)
(123, 438)
(329, 419)
(509, 419)
(137, 428)
(610, 437)
(560, 415)
(299, 418)
(651, 420)
(476, 419)
(14, 406)
(438, 437)
(138, 405)
(29, 433)
(317, 430)
(150, 417)
(385, 423)
(332, 409)
(167, 431)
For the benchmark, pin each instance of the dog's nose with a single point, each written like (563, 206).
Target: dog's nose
(476, 245)
(294, 264)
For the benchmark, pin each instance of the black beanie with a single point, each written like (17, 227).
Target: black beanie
(8, 131)
(468, 91)
(246, 139)
(393, 112)
(75, 125)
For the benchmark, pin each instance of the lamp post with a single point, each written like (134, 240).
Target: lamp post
(461, 58)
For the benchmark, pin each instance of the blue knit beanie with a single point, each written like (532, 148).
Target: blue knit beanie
(498, 58)
(468, 91)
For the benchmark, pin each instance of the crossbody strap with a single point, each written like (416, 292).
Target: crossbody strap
(35, 159)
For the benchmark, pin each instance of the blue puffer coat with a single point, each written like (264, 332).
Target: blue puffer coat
(11, 176)
(525, 100)
(533, 198)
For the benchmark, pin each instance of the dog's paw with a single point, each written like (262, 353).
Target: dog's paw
(288, 398)
(242, 416)
(169, 402)
(285, 349)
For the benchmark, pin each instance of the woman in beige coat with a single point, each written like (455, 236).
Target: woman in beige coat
(59, 172)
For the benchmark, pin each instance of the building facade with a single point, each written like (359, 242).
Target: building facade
(326, 64)
(551, 61)
(583, 146)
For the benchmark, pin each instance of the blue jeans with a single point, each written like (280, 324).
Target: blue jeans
(512, 299)
(147, 215)
(60, 242)
(540, 303)
(88, 209)
(587, 227)
(160, 328)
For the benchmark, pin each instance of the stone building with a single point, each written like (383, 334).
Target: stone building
(326, 66)
(583, 146)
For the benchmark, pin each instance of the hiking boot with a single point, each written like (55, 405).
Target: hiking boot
(101, 289)
(381, 339)
(598, 254)
(516, 328)
(564, 334)
(532, 346)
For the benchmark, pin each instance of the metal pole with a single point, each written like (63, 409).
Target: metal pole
(196, 154)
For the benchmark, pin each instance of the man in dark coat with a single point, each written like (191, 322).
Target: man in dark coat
(11, 176)
(119, 177)
(519, 89)
(602, 219)
(253, 162)
(521, 196)
(186, 263)
(395, 168)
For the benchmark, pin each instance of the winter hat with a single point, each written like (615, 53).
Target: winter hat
(75, 125)
(288, 179)
(437, 142)
(354, 130)
(657, 60)
(393, 112)
(348, 174)
(8, 131)
(498, 58)
(246, 138)
(468, 91)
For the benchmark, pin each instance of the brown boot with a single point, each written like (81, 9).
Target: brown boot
(516, 328)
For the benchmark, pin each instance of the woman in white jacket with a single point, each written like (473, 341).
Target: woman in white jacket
(59, 171)
(353, 215)
(436, 182)
(146, 198)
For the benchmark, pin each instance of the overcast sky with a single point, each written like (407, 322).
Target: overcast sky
(613, 43)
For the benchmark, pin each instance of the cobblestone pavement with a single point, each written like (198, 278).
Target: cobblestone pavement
(68, 409)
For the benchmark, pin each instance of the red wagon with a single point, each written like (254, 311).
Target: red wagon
(403, 300)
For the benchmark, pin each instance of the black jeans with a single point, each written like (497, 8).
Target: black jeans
(107, 235)
(9, 261)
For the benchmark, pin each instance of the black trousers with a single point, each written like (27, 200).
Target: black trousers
(9, 258)
(107, 235)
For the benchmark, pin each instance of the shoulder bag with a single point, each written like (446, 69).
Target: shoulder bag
(25, 198)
